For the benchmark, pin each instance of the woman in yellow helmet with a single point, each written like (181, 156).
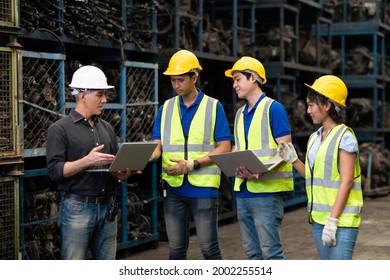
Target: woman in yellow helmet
(332, 171)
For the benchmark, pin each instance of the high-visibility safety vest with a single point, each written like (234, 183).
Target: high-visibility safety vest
(264, 146)
(323, 181)
(200, 141)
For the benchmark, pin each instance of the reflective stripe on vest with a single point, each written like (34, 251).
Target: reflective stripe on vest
(262, 143)
(322, 184)
(200, 141)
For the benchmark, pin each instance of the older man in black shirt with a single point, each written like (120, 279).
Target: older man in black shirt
(74, 144)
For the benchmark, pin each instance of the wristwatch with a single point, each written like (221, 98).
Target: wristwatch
(196, 165)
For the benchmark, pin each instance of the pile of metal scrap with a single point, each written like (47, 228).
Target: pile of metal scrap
(362, 10)
(140, 90)
(189, 23)
(93, 21)
(387, 117)
(360, 61)
(308, 46)
(138, 224)
(299, 118)
(375, 165)
(138, 29)
(270, 48)
(360, 112)
(90, 21)
(37, 14)
(42, 239)
(358, 10)
(40, 95)
(216, 37)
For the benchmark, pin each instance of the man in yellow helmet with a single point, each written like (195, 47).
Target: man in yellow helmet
(259, 126)
(188, 128)
(332, 171)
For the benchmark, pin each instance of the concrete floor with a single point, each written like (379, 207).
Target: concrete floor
(373, 240)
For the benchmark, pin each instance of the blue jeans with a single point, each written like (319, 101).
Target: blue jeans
(177, 211)
(260, 220)
(345, 243)
(84, 226)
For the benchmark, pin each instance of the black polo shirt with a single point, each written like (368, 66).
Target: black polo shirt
(71, 138)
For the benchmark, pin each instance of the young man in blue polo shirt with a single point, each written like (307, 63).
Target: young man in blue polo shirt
(190, 127)
(259, 126)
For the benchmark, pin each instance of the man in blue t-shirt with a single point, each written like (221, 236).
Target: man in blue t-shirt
(259, 126)
(188, 128)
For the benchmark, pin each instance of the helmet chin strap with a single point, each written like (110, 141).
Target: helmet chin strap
(337, 107)
(255, 75)
(77, 91)
(195, 71)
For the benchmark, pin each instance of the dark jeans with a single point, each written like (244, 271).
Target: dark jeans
(177, 216)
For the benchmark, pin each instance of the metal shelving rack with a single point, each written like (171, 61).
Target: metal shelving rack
(44, 73)
(141, 105)
(372, 34)
(243, 34)
(10, 148)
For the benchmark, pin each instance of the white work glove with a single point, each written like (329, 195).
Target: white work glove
(329, 232)
(182, 167)
(287, 152)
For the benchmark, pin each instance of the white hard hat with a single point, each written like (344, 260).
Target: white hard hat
(89, 77)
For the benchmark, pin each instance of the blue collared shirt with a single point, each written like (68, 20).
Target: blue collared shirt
(280, 126)
(348, 143)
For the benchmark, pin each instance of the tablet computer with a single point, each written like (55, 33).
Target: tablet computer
(134, 155)
(229, 162)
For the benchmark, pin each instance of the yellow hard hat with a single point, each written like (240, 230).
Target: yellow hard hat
(250, 64)
(182, 62)
(331, 87)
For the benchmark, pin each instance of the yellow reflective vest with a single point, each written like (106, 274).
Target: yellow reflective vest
(200, 142)
(323, 181)
(263, 144)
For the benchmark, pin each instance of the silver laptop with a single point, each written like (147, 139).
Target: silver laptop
(229, 162)
(134, 155)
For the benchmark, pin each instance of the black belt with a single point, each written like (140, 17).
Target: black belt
(87, 199)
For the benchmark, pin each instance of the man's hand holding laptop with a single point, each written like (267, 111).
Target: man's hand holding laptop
(123, 175)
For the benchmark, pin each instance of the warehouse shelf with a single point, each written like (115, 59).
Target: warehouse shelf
(9, 18)
(9, 223)
(48, 36)
(116, 25)
(147, 231)
(9, 130)
(359, 31)
(176, 16)
(360, 11)
(44, 99)
(39, 237)
(294, 39)
(283, 66)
